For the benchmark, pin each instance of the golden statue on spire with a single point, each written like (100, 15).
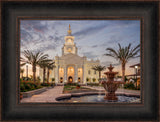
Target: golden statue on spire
(69, 31)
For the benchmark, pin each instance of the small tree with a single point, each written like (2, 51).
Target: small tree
(94, 79)
(53, 79)
(99, 68)
(87, 79)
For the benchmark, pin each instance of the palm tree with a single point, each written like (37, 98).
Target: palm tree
(124, 54)
(44, 64)
(99, 68)
(34, 59)
(50, 66)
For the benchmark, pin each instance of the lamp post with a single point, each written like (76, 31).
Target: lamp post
(27, 70)
(136, 67)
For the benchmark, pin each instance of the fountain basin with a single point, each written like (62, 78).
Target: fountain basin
(96, 97)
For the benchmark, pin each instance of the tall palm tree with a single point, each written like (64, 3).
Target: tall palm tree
(34, 59)
(124, 54)
(44, 64)
(99, 68)
(50, 66)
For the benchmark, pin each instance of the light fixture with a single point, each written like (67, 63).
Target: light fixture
(136, 67)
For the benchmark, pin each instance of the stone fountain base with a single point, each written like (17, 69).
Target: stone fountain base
(110, 96)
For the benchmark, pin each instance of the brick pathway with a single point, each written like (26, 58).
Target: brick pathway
(47, 96)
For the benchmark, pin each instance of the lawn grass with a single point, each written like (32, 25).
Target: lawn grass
(71, 89)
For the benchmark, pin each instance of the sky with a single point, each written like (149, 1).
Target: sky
(92, 37)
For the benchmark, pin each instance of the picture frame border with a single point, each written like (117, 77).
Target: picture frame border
(2, 110)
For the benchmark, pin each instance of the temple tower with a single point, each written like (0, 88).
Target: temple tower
(69, 46)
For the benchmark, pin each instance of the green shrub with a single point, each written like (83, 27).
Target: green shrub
(28, 86)
(72, 84)
(53, 79)
(129, 86)
(22, 87)
(94, 79)
(93, 84)
(45, 84)
(87, 79)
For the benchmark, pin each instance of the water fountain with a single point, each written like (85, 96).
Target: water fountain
(110, 85)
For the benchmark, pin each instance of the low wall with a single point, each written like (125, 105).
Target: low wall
(68, 96)
(33, 92)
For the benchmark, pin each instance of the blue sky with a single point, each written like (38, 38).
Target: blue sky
(92, 37)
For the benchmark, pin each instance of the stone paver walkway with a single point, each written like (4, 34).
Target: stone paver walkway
(47, 96)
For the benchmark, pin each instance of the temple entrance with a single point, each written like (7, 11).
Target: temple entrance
(70, 74)
(79, 79)
(70, 79)
(61, 80)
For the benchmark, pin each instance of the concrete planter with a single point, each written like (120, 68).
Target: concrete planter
(33, 92)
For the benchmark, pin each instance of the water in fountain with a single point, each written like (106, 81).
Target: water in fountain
(99, 92)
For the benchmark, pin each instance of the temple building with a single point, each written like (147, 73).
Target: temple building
(72, 68)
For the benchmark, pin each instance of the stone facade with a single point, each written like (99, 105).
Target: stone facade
(70, 67)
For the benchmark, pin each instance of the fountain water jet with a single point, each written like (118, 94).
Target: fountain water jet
(110, 85)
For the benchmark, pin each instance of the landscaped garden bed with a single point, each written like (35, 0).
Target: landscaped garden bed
(76, 89)
(33, 92)
(29, 88)
(26, 86)
(131, 86)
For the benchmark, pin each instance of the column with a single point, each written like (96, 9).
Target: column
(57, 74)
(65, 74)
(75, 74)
(82, 73)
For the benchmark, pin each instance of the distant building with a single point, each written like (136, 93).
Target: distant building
(70, 67)
(137, 73)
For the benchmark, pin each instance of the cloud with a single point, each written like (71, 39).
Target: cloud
(90, 30)
(94, 46)
(90, 55)
(91, 37)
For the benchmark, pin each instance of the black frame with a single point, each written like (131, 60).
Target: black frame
(11, 110)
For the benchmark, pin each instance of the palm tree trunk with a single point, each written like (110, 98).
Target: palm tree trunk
(48, 76)
(123, 72)
(34, 73)
(44, 72)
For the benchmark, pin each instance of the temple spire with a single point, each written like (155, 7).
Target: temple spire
(69, 31)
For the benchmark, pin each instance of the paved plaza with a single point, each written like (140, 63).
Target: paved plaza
(50, 95)
(45, 97)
